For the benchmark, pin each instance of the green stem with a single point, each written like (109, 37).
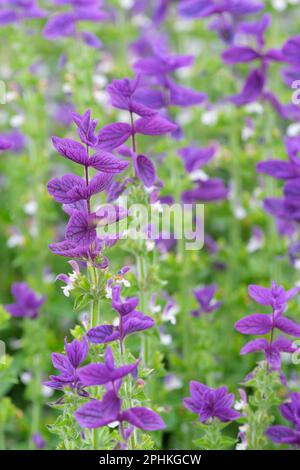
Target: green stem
(127, 393)
(94, 320)
(141, 275)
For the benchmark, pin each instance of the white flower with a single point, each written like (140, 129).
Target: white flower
(165, 340)
(240, 212)
(172, 382)
(30, 207)
(17, 120)
(16, 239)
(114, 424)
(47, 391)
(170, 311)
(26, 377)
(240, 405)
(210, 117)
(101, 97)
(293, 129)
(70, 285)
(279, 5)
(247, 132)
(254, 108)
(241, 446)
(150, 245)
(127, 4)
(198, 175)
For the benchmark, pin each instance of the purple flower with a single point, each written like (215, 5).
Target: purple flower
(4, 144)
(256, 28)
(98, 413)
(260, 324)
(123, 307)
(71, 188)
(65, 24)
(130, 321)
(291, 51)
(67, 365)
(252, 89)
(210, 190)
(101, 374)
(205, 298)
(101, 160)
(86, 128)
(291, 412)
(210, 403)
(18, 10)
(272, 350)
(27, 302)
(205, 8)
(38, 440)
(122, 97)
(160, 67)
(196, 157)
(81, 228)
(276, 297)
(15, 139)
(244, 54)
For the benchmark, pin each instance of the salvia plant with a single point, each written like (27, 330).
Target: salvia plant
(150, 175)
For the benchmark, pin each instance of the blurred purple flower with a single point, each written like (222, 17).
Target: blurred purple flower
(27, 302)
(65, 24)
(38, 440)
(16, 140)
(210, 190)
(205, 298)
(196, 157)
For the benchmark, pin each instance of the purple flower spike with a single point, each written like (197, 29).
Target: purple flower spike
(291, 412)
(210, 403)
(71, 188)
(276, 297)
(260, 324)
(131, 323)
(126, 307)
(81, 228)
(95, 414)
(27, 302)
(251, 90)
(67, 365)
(100, 374)
(86, 128)
(272, 351)
(122, 97)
